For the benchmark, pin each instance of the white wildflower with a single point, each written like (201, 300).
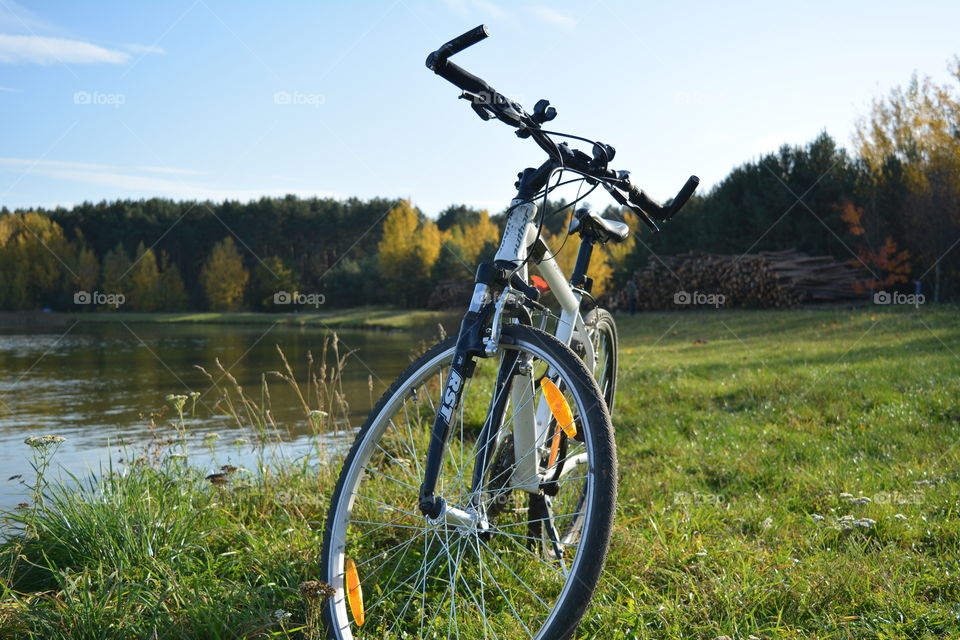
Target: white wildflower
(316, 417)
(39, 442)
(177, 401)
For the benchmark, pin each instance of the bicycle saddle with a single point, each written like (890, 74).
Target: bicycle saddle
(604, 229)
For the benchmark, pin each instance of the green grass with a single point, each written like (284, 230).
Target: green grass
(353, 318)
(734, 429)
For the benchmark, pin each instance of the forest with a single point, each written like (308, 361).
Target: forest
(891, 203)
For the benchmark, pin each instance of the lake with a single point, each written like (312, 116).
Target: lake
(98, 384)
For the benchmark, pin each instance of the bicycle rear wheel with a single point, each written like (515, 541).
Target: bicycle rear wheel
(603, 333)
(531, 571)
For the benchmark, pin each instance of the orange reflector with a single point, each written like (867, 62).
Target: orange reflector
(554, 449)
(354, 592)
(559, 407)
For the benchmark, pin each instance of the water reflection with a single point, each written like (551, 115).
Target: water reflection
(98, 385)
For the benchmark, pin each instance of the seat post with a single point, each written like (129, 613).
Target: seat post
(579, 277)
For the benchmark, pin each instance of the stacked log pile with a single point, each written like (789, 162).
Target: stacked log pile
(773, 279)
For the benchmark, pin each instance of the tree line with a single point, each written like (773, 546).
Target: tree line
(890, 205)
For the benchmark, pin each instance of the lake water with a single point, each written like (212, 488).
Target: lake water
(97, 384)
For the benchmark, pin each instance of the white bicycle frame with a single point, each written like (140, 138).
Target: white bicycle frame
(529, 426)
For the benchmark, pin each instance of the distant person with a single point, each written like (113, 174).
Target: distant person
(632, 296)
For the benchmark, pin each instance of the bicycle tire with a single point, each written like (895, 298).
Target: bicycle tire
(600, 481)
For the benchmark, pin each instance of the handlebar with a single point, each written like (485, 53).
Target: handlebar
(663, 212)
(438, 61)
(495, 105)
(457, 45)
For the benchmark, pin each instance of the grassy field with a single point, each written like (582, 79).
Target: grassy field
(783, 475)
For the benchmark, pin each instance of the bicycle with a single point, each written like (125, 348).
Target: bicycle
(478, 497)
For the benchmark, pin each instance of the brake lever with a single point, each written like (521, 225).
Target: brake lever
(617, 195)
(479, 105)
(482, 111)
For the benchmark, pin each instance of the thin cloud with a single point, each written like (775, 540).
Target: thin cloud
(42, 50)
(553, 18)
(143, 48)
(87, 166)
(132, 181)
(10, 90)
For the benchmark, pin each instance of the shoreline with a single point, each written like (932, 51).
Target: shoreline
(359, 318)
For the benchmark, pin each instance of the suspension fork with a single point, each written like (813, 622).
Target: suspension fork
(470, 345)
(461, 369)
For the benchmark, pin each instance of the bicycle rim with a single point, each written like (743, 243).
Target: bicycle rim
(529, 575)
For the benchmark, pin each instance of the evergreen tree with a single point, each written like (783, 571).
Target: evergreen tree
(116, 273)
(271, 277)
(173, 294)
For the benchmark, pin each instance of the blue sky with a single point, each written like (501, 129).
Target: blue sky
(228, 99)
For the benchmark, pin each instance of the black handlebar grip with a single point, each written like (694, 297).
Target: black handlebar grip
(650, 206)
(437, 59)
(659, 211)
(465, 80)
(468, 39)
(692, 183)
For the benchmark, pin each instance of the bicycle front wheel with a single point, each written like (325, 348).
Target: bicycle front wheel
(530, 570)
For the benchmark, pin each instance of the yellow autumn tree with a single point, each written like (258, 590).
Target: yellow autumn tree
(469, 240)
(409, 248)
(914, 131)
(224, 278)
(143, 281)
(34, 261)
